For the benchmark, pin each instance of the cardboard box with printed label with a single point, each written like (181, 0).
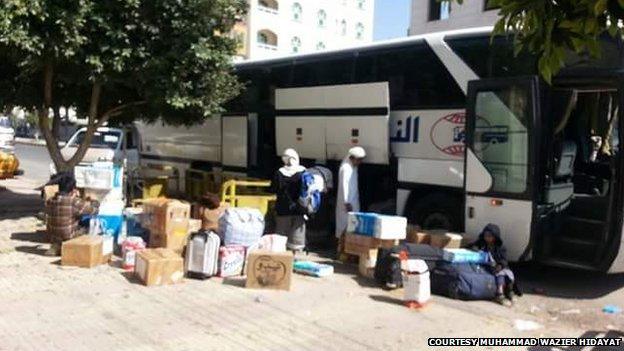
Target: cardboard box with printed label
(269, 270)
(84, 251)
(159, 267)
(356, 244)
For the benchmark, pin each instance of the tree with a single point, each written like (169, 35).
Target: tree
(551, 28)
(117, 60)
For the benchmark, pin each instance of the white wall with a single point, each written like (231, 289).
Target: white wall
(307, 28)
(468, 15)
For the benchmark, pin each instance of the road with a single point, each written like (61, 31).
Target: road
(34, 161)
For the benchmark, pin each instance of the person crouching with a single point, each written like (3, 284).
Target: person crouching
(490, 241)
(64, 211)
(286, 184)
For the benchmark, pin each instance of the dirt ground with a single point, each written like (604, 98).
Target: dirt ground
(47, 306)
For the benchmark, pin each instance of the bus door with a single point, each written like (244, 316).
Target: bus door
(501, 149)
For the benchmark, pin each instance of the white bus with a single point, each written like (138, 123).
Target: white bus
(460, 133)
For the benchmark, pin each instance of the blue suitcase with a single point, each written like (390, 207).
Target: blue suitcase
(464, 281)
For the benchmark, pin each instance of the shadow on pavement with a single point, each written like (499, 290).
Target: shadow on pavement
(18, 205)
(609, 334)
(132, 278)
(564, 283)
(33, 250)
(33, 237)
(387, 299)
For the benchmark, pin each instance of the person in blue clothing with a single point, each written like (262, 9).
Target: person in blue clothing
(490, 241)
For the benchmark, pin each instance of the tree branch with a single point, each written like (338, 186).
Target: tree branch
(115, 111)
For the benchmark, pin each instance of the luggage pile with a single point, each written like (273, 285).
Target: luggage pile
(455, 272)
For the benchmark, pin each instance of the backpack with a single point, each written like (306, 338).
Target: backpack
(310, 194)
(326, 175)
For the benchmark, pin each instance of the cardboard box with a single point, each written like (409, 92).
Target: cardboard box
(444, 240)
(168, 223)
(194, 225)
(468, 239)
(159, 267)
(366, 264)
(166, 216)
(360, 244)
(417, 236)
(269, 270)
(84, 251)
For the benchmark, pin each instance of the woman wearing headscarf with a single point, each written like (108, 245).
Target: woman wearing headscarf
(290, 220)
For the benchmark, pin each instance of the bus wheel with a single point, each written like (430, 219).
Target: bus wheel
(437, 212)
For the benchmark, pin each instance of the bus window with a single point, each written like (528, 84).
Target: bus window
(418, 79)
(501, 139)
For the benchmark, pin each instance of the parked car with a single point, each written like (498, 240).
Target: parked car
(7, 134)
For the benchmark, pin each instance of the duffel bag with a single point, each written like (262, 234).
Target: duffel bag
(465, 281)
(241, 226)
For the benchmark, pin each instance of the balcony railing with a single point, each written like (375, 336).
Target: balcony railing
(267, 47)
(267, 10)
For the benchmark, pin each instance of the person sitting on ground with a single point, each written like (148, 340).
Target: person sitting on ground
(64, 211)
(289, 220)
(490, 241)
(211, 211)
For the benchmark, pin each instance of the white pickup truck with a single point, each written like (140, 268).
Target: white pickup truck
(108, 144)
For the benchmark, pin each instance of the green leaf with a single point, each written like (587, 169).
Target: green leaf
(600, 7)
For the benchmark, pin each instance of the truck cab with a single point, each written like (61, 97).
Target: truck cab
(118, 145)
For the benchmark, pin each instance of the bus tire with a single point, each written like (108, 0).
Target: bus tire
(437, 211)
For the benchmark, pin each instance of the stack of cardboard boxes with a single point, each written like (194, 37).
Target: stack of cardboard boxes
(367, 232)
(168, 223)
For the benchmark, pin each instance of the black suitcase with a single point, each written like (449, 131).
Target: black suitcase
(463, 281)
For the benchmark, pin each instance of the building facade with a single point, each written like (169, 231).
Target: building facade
(428, 16)
(275, 28)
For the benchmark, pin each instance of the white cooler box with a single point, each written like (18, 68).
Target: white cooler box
(378, 226)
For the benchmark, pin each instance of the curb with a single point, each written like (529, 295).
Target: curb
(34, 142)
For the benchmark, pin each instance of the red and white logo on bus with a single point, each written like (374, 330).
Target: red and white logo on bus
(448, 134)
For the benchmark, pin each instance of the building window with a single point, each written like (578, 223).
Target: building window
(320, 46)
(297, 11)
(359, 31)
(322, 18)
(343, 27)
(270, 4)
(296, 44)
(360, 4)
(267, 37)
(439, 10)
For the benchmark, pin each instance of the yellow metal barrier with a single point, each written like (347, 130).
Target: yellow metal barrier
(247, 193)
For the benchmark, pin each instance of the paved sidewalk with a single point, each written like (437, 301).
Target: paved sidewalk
(49, 307)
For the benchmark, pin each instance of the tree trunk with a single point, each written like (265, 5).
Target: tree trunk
(44, 123)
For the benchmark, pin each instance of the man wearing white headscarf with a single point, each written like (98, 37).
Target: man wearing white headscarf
(348, 198)
(286, 184)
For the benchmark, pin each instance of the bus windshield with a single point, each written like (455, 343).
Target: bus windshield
(102, 140)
